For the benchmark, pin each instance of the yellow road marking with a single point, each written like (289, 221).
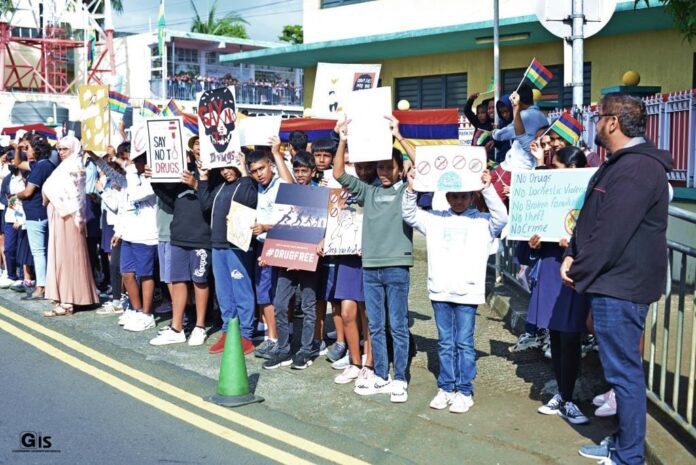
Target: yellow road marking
(169, 408)
(247, 422)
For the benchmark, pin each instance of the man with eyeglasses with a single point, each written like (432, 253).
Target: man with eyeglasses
(618, 256)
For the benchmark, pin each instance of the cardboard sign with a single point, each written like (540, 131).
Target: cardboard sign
(240, 219)
(94, 118)
(334, 82)
(217, 128)
(165, 153)
(344, 225)
(301, 223)
(546, 202)
(369, 135)
(258, 130)
(449, 168)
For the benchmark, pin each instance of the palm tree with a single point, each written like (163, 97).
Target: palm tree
(230, 25)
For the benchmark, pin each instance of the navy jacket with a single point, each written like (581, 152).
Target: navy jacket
(216, 199)
(620, 240)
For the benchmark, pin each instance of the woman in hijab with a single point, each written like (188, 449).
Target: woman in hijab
(69, 279)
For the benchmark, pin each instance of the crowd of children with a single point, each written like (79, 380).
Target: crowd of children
(161, 246)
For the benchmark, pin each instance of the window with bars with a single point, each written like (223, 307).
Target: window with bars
(444, 91)
(334, 3)
(554, 95)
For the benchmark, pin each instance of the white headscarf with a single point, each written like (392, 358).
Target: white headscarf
(72, 143)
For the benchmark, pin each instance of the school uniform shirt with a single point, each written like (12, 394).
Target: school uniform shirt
(266, 203)
(520, 157)
(33, 206)
(457, 247)
(386, 240)
(139, 221)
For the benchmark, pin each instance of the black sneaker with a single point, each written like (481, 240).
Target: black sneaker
(277, 360)
(301, 360)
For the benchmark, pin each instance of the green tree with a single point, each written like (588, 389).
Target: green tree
(683, 12)
(6, 6)
(292, 33)
(230, 25)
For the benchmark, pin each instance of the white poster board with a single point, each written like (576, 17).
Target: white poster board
(334, 82)
(258, 130)
(240, 219)
(449, 168)
(546, 202)
(369, 134)
(218, 129)
(165, 153)
(344, 225)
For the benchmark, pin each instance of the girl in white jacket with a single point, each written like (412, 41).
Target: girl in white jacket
(458, 241)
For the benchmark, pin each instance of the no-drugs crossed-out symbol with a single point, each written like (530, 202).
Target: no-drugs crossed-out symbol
(459, 162)
(476, 166)
(441, 162)
(423, 167)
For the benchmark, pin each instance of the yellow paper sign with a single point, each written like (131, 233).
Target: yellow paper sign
(94, 118)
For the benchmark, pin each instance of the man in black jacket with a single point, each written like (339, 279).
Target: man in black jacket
(618, 256)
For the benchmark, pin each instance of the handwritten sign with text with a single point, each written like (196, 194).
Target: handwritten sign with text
(165, 154)
(547, 202)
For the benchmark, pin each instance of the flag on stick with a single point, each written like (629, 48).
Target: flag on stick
(160, 29)
(538, 74)
(117, 101)
(568, 128)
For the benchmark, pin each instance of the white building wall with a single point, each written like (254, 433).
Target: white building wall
(389, 16)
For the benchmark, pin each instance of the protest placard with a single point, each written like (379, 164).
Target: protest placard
(334, 82)
(546, 202)
(94, 117)
(344, 225)
(217, 128)
(165, 153)
(369, 134)
(258, 130)
(449, 168)
(301, 213)
(240, 220)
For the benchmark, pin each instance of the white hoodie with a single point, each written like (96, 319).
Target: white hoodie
(458, 247)
(139, 221)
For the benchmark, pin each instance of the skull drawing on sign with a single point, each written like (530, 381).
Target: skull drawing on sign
(216, 111)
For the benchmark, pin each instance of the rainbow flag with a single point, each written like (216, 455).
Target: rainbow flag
(567, 127)
(538, 74)
(190, 122)
(171, 109)
(117, 101)
(149, 109)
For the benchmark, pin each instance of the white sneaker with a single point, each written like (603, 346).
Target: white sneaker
(365, 375)
(461, 403)
(349, 375)
(168, 336)
(6, 282)
(608, 408)
(399, 391)
(600, 399)
(112, 307)
(342, 363)
(140, 322)
(441, 400)
(552, 407)
(547, 352)
(374, 385)
(198, 336)
(126, 317)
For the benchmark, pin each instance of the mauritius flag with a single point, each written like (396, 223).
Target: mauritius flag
(538, 74)
(117, 101)
(150, 109)
(567, 127)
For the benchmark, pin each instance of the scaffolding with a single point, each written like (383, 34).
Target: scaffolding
(42, 62)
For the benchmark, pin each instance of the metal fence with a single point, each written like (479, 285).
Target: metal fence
(670, 336)
(671, 126)
(253, 94)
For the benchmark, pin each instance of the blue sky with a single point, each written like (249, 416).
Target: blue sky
(266, 17)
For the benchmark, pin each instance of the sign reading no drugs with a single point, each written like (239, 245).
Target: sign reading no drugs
(449, 168)
(165, 155)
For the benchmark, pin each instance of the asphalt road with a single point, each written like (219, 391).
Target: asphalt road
(89, 422)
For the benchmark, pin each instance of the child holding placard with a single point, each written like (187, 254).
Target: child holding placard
(387, 255)
(460, 235)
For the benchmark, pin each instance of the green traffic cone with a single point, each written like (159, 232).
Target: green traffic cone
(233, 385)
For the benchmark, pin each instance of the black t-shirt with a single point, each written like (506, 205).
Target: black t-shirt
(33, 206)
